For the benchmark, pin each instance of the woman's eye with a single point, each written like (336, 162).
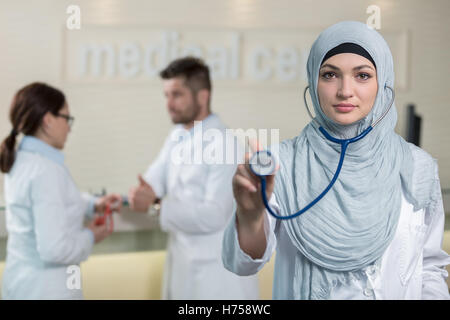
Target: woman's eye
(364, 76)
(328, 75)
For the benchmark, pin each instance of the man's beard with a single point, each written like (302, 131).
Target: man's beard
(188, 116)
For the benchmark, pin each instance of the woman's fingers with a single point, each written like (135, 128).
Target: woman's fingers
(254, 145)
(247, 172)
(242, 181)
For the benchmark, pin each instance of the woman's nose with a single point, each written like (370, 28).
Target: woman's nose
(345, 89)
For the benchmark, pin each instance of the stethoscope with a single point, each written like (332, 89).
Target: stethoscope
(264, 163)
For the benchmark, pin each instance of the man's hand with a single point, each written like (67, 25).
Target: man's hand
(141, 197)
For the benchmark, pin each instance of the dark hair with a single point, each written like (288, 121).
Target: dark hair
(194, 70)
(29, 106)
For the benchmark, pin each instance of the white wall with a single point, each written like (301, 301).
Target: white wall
(122, 122)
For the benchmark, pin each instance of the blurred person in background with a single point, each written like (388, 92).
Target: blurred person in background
(196, 198)
(45, 211)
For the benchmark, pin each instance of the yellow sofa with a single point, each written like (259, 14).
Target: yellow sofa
(138, 276)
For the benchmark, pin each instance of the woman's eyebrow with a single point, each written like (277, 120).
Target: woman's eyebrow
(362, 66)
(329, 66)
(355, 68)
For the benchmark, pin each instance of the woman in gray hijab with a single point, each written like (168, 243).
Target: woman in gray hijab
(377, 233)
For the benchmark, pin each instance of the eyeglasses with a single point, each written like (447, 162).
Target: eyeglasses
(69, 119)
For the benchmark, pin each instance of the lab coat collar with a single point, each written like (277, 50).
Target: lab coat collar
(33, 144)
(211, 121)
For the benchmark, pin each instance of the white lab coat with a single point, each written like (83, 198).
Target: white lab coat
(197, 203)
(412, 267)
(44, 219)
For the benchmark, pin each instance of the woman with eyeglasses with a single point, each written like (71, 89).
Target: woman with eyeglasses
(45, 211)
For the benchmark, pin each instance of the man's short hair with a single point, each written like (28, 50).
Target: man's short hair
(194, 70)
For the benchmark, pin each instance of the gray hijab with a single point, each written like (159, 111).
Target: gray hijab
(351, 227)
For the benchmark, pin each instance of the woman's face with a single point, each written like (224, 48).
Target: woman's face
(347, 87)
(58, 127)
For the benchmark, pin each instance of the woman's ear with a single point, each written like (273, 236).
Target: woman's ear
(47, 121)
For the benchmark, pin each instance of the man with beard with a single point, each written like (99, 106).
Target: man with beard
(196, 193)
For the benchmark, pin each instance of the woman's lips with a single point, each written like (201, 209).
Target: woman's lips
(344, 107)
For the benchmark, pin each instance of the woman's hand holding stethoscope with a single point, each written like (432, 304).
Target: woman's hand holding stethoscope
(247, 187)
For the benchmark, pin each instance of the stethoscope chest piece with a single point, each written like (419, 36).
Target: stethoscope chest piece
(263, 163)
